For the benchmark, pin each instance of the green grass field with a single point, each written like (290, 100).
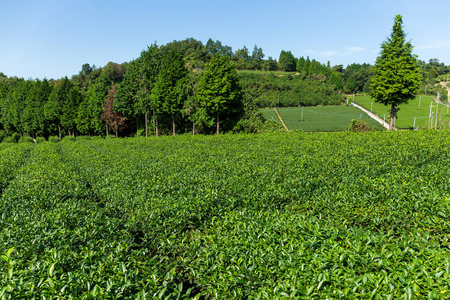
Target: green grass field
(409, 111)
(320, 118)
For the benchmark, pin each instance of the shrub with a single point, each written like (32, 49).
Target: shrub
(53, 139)
(2, 135)
(25, 139)
(8, 139)
(69, 138)
(40, 139)
(15, 136)
(83, 138)
(110, 136)
(359, 126)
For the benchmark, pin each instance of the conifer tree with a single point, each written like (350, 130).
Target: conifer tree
(396, 75)
(218, 91)
(170, 90)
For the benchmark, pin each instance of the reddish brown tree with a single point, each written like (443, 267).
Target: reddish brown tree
(113, 119)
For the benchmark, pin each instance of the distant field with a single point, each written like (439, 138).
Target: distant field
(320, 118)
(266, 72)
(409, 111)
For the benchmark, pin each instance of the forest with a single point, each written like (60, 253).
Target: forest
(183, 87)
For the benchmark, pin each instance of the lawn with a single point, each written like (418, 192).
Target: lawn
(409, 111)
(320, 118)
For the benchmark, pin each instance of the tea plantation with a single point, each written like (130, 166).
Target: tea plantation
(272, 216)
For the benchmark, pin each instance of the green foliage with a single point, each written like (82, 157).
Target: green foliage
(396, 75)
(95, 100)
(9, 139)
(56, 107)
(287, 61)
(15, 137)
(219, 91)
(271, 90)
(83, 138)
(2, 135)
(40, 139)
(25, 139)
(68, 138)
(294, 215)
(53, 139)
(358, 126)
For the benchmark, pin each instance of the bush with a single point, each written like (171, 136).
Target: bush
(25, 139)
(359, 126)
(111, 136)
(40, 139)
(8, 139)
(83, 138)
(69, 138)
(2, 135)
(53, 139)
(15, 136)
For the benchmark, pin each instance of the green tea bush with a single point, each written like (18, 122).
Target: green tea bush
(53, 139)
(285, 215)
(25, 139)
(69, 138)
(8, 139)
(2, 135)
(83, 138)
(15, 136)
(40, 139)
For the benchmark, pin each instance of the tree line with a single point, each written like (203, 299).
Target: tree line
(183, 86)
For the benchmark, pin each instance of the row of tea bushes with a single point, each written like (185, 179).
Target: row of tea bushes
(293, 215)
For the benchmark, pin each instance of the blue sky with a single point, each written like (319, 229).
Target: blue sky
(54, 38)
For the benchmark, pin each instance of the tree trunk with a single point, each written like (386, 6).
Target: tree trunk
(146, 125)
(117, 133)
(59, 132)
(218, 124)
(173, 124)
(391, 123)
(156, 126)
(106, 128)
(137, 127)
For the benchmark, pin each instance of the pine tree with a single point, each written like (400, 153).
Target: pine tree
(396, 75)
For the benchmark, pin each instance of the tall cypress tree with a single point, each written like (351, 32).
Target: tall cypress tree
(219, 91)
(396, 75)
(170, 90)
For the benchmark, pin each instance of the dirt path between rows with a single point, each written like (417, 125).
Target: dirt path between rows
(373, 116)
(281, 120)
